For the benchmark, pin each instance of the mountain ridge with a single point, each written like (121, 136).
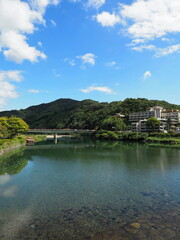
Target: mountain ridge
(87, 114)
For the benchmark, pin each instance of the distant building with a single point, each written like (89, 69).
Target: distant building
(174, 115)
(152, 112)
(139, 119)
(141, 126)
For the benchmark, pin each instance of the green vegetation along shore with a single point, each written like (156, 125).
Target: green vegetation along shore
(152, 139)
(10, 144)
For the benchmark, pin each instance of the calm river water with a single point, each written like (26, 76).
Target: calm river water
(84, 189)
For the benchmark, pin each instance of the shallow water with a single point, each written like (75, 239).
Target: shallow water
(82, 188)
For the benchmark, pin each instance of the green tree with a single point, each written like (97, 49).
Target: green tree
(16, 125)
(169, 124)
(153, 123)
(113, 124)
(4, 127)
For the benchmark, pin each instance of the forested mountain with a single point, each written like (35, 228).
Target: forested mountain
(87, 114)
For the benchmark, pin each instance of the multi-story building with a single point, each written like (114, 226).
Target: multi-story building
(174, 115)
(141, 126)
(139, 119)
(152, 112)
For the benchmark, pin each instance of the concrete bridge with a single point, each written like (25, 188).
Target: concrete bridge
(57, 132)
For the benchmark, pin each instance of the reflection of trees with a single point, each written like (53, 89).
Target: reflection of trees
(130, 155)
(13, 162)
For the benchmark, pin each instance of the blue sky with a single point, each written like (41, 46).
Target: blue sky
(88, 49)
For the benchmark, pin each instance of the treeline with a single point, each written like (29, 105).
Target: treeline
(87, 114)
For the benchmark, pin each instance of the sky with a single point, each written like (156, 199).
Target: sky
(105, 50)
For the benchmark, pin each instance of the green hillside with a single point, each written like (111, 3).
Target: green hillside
(87, 114)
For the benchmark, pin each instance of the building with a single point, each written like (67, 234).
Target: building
(152, 112)
(139, 119)
(174, 115)
(141, 126)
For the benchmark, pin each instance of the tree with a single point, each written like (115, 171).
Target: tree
(169, 124)
(16, 125)
(113, 124)
(153, 123)
(4, 127)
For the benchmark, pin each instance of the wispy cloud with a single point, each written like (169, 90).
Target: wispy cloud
(7, 89)
(113, 65)
(168, 50)
(34, 91)
(82, 61)
(95, 3)
(70, 61)
(99, 89)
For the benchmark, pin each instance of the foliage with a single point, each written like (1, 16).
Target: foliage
(125, 136)
(87, 114)
(163, 140)
(10, 127)
(153, 123)
(134, 136)
(113, 124)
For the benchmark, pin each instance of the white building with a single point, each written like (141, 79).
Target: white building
(141, 126)
(152, 112)
(174, 115)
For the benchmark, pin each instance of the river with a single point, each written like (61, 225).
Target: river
(84, 189)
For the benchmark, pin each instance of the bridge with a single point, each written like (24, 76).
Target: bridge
(56, 132)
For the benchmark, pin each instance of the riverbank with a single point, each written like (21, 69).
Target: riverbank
(7, 145)
(152, 139)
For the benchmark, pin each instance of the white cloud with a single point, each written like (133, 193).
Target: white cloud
(107, 19)
(168, 50)
(151, 19)
(8, 90)
(13, 75)
(70, 61)
(144, 47)
(17, 19)
(146, 75)
(88, 58)
(99, 89)
(95, 3)
(33, 91)
(110, 64)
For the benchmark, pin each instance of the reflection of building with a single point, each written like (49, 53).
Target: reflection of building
(139, 119)
(141, 126)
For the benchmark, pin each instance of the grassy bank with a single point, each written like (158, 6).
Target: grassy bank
(166, 142)
(9, 144)
(152, 139)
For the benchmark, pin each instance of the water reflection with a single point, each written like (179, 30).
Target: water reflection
(13, 162)
(76, 188)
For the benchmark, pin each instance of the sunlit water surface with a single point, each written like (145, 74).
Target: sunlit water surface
(80, 187)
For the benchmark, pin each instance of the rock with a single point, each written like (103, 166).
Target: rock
(135, 225)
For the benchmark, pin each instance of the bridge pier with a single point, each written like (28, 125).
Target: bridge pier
(55, 138)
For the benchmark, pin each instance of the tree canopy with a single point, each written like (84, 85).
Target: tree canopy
(153, 123)
(12, 126)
